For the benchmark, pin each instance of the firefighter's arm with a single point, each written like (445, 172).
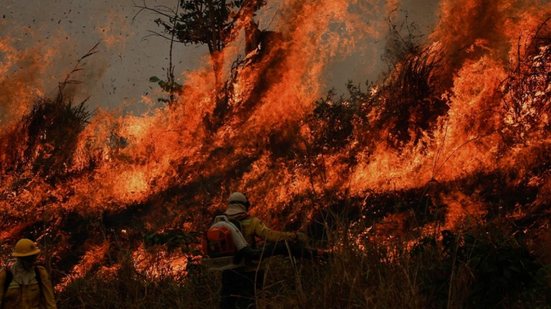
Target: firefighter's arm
(262, 231)
(47, 289)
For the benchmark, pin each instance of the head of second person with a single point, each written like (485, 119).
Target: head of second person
(26, 251)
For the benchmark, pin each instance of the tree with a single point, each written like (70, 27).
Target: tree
(214, 23)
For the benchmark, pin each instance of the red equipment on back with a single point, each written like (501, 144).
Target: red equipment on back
(219, 242)
(223, 238)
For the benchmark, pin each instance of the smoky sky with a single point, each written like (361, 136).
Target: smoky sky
(118, 75)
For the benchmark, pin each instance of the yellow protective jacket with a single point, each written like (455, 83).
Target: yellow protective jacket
(30, 296)
(253, 227)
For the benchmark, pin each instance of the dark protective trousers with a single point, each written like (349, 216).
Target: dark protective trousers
(238, 288)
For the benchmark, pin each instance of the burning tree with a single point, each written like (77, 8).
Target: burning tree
(213, 23)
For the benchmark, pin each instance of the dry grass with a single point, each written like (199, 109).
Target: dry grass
(483, 267)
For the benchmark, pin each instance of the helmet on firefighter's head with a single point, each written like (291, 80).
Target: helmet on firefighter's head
(239, 198)
(25, 247)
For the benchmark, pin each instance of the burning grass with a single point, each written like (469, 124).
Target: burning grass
(476, 266)
(386, 177)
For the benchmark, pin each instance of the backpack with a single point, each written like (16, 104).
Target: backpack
(9, 278)
(223, 238)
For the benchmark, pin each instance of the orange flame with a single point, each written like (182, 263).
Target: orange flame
(259, 138)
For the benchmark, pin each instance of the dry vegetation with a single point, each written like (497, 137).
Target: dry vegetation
(479, 267)
(386, 249)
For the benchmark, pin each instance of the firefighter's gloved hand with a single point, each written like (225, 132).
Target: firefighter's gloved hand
(301, 237)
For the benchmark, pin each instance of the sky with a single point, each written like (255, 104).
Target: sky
(117, 76)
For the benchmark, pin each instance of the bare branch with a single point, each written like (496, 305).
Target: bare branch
(157, 11)
(78, 67)
(158, 34)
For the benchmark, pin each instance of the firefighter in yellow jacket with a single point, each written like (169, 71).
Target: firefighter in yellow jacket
(238, 285)
(24, 285)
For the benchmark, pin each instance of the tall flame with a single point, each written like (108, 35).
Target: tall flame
(262, 135)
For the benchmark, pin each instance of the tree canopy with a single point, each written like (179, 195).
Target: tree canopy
(210, 22)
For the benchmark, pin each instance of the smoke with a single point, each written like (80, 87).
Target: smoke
(20, 72)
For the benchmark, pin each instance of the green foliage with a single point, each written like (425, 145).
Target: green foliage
(169, 86)
(209, 22)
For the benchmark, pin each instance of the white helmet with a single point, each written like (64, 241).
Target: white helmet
(238, 198)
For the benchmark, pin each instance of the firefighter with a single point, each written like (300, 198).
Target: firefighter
(238, 285)
(24, 284)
